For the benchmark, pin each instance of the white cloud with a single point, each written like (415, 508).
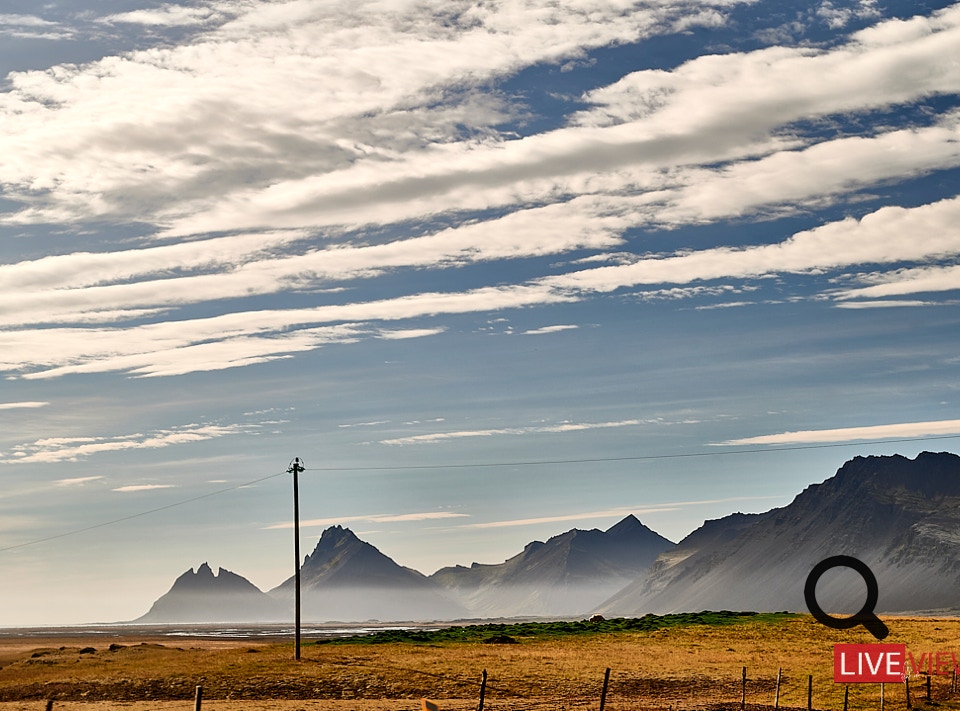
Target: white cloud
(889, 304)
(166, 16)
(143, 487)
(154, 134)
(22, 405)
(549, 329)
(618, 512)
(402, 334)
(837, 17)
(78, 481)
(373, 518)
(537, 429)
(68, 449)
(24, 21)
(133, 137)
(846, 434)
(875, 238)
(240, 339)
(905, 281)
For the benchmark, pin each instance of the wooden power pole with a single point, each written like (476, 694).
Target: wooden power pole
(295, 468)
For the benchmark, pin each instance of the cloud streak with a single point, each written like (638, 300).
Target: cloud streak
(28, 405)
(850, 434)
(538, 429)
(715, 138)
(618, 512)
(372, 518)
(70, 449)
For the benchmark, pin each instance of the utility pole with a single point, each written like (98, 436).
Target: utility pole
(295, 468)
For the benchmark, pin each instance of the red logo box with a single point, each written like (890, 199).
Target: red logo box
(869, 663)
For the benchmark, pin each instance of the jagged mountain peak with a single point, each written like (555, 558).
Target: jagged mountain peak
(202, 596)
(346, 578)
(566, 575)
(632, 527)
(898, 515)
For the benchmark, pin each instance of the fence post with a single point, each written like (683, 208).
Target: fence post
(198, 700)
(743, 689)
(49, 704)
(881, 696)
(603, 694)
(483, 689)
(906, 686)
(776, 699)
(810, 692)
(846, 696)
(928, 687)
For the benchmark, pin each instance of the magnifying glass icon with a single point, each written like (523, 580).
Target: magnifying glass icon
(865, 617)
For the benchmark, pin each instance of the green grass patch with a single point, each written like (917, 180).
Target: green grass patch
(553, 630)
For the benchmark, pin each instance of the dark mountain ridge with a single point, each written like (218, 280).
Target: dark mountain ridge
(202, 596)
(900, 516)
(569, 574)
(349, 579)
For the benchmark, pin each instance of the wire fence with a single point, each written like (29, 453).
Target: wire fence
(611, 690)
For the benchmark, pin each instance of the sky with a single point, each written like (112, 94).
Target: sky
(493, 270)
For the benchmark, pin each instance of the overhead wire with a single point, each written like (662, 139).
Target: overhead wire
(626, 458)
(473, 465)
(140, 514)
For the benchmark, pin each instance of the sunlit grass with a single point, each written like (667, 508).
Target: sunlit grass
(677, 666)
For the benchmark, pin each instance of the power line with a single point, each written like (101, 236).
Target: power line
(140, 514)
(636, 458)
(476, 465)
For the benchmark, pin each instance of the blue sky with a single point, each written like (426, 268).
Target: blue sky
(675, 258)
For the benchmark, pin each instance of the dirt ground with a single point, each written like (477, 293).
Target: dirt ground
(694, 668)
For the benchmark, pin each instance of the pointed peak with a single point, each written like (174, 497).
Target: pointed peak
(337, 533)
(627, 523)
(205, 571)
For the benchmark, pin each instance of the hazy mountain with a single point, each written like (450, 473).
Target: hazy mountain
(202, 596)
(570, 574)
(899, 516)
(348, 579)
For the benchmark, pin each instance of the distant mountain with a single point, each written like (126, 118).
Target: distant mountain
(202, 596)
(568, 575)
(348, 579)
(899, 516)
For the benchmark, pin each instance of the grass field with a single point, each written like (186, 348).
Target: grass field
(672, 662)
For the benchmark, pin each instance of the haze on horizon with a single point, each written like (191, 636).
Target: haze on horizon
(493, 271)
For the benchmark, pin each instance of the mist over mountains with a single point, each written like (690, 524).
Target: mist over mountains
(202, 596)
(568, 575)
(349, 579)
(900, 516)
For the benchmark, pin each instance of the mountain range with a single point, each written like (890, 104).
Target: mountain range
(568, 575)
(349, 579)
(900, 516)
(202, 596)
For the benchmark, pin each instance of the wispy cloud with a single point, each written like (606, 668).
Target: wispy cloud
(535, 429)
(78, 481)
(619, 512)
(549, 329)
(132, 488)
(68, 449)
(703, 142)
(167, 16)
(30, 405)
(848, 434)
(373, 518)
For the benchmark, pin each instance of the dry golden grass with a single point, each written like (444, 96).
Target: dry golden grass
(675, 668)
